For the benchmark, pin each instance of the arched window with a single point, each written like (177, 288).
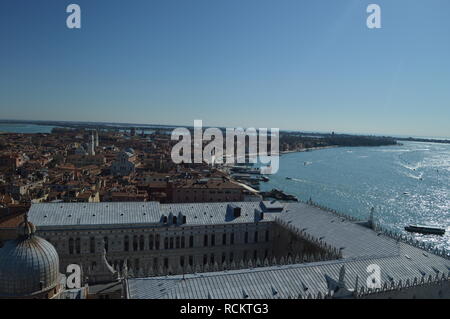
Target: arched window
(135, 243)
(92, 245)
(78, 246)
(150, 244)
(157, 242)
(126, 243)
(141, 242)
(71, 246)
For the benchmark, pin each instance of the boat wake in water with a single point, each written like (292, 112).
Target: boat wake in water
(407, 184)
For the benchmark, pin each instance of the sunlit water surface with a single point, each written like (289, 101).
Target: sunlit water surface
(407, 184)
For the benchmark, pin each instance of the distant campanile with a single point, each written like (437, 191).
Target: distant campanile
(91, 145)
(97, 143)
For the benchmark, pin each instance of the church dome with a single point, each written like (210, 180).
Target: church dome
(28, 265)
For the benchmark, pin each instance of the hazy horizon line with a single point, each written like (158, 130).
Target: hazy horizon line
(206, 126)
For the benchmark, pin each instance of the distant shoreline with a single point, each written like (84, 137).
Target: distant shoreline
(127, 126)
(301, 150)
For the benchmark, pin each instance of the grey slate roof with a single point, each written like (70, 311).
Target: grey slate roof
(356, 240)
(76, 214)
(290, 280)
(49, 215)
(362, 247)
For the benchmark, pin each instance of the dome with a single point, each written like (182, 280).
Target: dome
(28, 264)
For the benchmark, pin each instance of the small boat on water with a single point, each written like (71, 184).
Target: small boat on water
(288, 178)
(421, 229)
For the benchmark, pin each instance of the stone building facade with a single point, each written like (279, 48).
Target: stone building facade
(174, 239)
(156, 250)
(205, 191)
(124, 165)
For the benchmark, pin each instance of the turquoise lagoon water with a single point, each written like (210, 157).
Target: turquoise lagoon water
(406, 184)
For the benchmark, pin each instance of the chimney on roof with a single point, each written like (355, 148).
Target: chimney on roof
(236, 212)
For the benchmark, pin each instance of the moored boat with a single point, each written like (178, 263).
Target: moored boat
(432, 230)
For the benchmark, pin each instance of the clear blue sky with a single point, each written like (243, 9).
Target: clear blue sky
(292, 64)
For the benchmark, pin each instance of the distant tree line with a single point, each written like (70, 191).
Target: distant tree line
(426, 140)
(351, 140)
(311, 140)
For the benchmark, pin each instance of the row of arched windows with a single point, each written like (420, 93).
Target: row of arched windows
(137, 242)
(75, 245)
(207, 258)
